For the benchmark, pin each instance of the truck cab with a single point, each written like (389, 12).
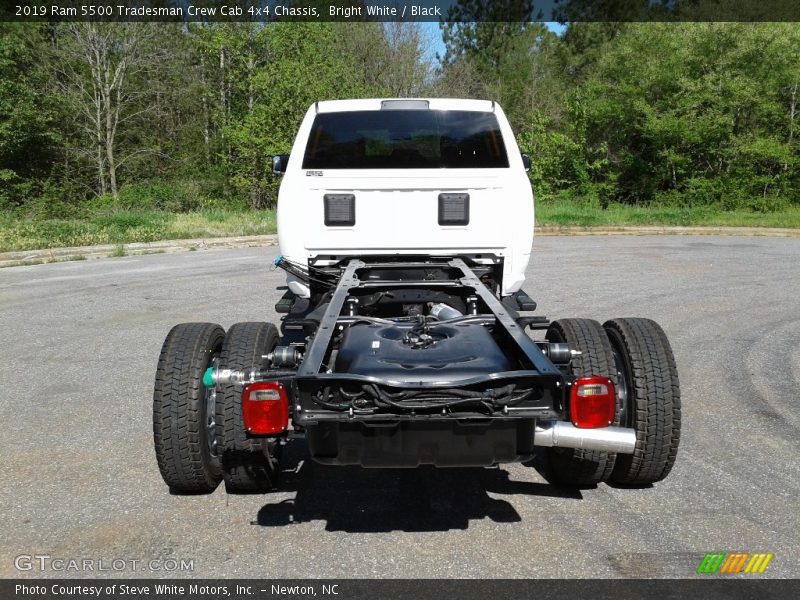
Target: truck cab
(403, 177)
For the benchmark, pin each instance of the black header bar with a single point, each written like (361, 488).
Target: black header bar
(426, 589)
(453, 11)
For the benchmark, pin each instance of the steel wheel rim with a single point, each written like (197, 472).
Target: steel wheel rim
(211, 412)
(623, 394)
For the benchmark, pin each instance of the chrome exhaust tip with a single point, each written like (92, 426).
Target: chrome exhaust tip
(560, 434)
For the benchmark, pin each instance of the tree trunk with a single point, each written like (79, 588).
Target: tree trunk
(251, 67)
(101, 172)
(204, 104)
(109, 126)
(111, 54)
(112, 167)
(223, 101)
(792, 114)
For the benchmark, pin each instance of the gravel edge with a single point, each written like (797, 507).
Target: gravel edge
(30, 257)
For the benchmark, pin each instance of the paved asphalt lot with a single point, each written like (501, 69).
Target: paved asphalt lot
(79, 347)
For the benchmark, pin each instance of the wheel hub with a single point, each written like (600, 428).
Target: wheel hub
(211, 411)
(623, 397)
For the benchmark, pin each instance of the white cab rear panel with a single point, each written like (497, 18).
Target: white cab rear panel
(396, 210)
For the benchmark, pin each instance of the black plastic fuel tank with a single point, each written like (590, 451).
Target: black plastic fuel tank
(403, 352)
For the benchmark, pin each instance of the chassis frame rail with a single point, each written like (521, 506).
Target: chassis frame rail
(317, 349)
(537, 370)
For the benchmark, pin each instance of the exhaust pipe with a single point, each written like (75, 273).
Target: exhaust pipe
(561, 434)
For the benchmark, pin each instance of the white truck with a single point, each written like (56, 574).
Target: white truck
(405, 229)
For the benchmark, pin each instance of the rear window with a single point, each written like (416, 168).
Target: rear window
(405, 139)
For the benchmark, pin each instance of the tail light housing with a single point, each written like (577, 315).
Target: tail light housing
(265, 408)
(592, 402)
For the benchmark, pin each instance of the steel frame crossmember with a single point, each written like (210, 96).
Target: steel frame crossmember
(318, 348)
(315, 352)
(532, 352)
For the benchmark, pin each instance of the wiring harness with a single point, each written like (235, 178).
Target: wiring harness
(307, 273)
(372, 398)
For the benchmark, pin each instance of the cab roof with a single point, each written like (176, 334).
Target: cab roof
(330, 106)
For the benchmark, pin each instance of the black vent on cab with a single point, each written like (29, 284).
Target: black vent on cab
(340, 210)
(453, 209)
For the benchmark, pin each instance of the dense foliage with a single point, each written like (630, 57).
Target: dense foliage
(172, 117)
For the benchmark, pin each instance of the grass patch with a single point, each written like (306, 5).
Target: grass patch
(125, 227)
(218, 223)
(568, 213)
(26, 263)
(76, 257)
(119, 251)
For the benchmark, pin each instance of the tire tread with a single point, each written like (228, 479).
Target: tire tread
(656, 401)
(249, 463)
(178, 415)
(578, 467)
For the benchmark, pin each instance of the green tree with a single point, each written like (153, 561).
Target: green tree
(701, 112)
(27, 129)
(308, 62)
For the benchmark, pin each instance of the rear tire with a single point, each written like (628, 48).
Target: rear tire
(571, 466)
(249, 463)
(651, 402)
(181, 427)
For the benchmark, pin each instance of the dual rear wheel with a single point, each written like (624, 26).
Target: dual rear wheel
(199, 434)
(200, 438)
(636, 355)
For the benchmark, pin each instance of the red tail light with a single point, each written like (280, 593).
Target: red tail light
(265, 408)
(592, 402)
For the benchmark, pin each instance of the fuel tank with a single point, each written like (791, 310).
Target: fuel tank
(438, 353)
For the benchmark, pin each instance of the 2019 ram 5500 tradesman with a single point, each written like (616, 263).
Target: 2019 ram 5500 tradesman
(405, 229)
